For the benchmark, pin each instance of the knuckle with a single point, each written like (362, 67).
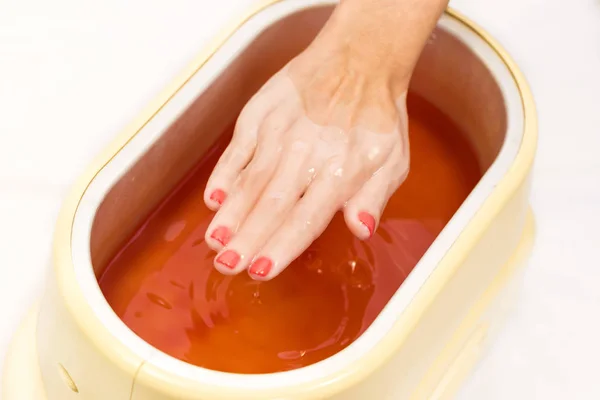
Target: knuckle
(240, 154)
(273, 203)
(336, 167)
(246, 124)
(374, 155)
(228, 156)
(272, 124)
(299, 147)
(399, 173)
(246, 179)
(402, 167)
(306, 222)
(254, 175)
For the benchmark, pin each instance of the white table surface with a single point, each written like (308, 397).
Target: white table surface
(73, 72)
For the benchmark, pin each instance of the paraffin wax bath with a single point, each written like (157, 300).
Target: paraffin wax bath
(162, 283)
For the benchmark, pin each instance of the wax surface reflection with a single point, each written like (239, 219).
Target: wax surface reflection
(163, 286)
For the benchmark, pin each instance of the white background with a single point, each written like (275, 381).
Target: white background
(73, 72)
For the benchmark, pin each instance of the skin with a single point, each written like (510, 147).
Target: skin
(326, 133)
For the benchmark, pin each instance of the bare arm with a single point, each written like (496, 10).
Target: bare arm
(382, 36)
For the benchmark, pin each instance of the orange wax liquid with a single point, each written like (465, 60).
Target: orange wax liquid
(162, 283)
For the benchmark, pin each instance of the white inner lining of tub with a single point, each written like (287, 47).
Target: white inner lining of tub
(130, 154)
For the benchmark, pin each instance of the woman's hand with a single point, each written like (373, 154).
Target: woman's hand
(327, 133)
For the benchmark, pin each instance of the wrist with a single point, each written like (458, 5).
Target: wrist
(379, 38)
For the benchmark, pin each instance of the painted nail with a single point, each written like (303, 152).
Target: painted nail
(218, 196)
(368, 221)
(222, 235)
(261, 267)
(228, 258)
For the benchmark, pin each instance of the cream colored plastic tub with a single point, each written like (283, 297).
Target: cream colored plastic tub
(425, 340)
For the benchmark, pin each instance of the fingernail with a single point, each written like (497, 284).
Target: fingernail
(228, 258)
(368, 221)
(218, 196)
(222, 235)
(261, 267)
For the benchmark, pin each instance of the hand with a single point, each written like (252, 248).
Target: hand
(326, 133)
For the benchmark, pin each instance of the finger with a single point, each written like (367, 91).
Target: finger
(281, 194)
(251, 182)
(363, 211)
(240, 150)
(306, 223)
(237, 154)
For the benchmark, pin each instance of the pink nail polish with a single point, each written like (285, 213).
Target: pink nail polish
(228, 258)
(367, 220)
(218, 196)
(222, 235)
(261, 267)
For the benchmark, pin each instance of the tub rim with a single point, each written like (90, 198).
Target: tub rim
(123, 356)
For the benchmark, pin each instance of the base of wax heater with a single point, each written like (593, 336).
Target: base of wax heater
(22, 378)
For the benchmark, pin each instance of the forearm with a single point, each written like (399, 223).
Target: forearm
(382, 36)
